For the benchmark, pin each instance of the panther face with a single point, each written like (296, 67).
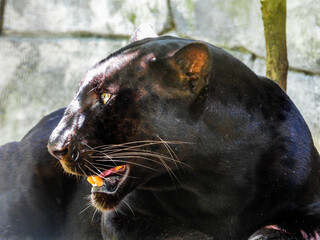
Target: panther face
(127, 122)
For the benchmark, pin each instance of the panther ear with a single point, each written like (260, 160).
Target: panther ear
(144, 31)
(193, 64)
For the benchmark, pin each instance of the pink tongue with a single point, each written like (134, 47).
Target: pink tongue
(111, 171)
(106, 173)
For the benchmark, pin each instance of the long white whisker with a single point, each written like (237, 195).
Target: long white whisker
(171, 152)
(132, 147)
(142, 143)
(85, 209)
(94, 214)
(91, 170)
(129, 207)
(115, 209)
(167, 147)
(138, 157)
(92, 165)
(133, 163)
(139, 152)
(83, 143)
(123, 144)
(82, 170)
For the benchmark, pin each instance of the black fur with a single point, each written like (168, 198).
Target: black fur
(252, 166)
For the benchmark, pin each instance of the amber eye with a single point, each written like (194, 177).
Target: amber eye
(105, 97)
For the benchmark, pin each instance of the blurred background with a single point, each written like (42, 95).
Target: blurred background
(47, 46)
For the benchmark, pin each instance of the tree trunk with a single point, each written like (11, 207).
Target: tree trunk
(274, 20)
(1, 14)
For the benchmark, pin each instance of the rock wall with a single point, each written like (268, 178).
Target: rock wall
(46, 47)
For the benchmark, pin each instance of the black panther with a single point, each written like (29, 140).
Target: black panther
(198, 138)
(190, 144)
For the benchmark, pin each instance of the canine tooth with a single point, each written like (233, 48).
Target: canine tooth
(95, 181)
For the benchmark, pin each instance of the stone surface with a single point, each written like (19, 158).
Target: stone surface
(230, 24)
(109, 17)
(40, 75)
(303, 34)
(238, 24)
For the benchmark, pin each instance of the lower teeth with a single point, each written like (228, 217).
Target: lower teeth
(110, 184)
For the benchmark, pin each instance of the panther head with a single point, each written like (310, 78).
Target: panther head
(133, 116)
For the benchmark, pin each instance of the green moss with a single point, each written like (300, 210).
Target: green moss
(132, 17)
(189, 5)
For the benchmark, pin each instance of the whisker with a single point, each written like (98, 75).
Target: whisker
(104, 165)
(95, 173)
(115, 209)
(143, 142)
(108, 150)
(156, 154)
(162, 163)
(129, 207)
(86, 208)
(74, 169)
(173, 156)
(168, 149)
(142, 152)
(151, 154)
(125, 161)
(121, 144)
(94, 214)
(113, 154)
(92, 165)
(138, 157)
(120, 153)
(83, 143)
(148, 151)
(82, 170)
(126, 147)
(102, 155)
(134, 153)
(133, 163)
(78, 154)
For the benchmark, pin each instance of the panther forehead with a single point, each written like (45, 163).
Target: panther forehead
(96, 76)
(146, 50)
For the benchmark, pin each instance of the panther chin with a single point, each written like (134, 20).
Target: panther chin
(114, 188)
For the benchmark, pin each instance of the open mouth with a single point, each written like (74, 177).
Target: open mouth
(109, 187)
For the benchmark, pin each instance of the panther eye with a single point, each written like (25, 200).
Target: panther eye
(105, 97)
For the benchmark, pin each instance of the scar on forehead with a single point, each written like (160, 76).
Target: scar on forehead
(97, 80)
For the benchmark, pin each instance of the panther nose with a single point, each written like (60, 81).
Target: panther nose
(58, 151)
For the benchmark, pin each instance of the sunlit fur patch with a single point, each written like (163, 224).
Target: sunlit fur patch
(67, 168)
(96, 75)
